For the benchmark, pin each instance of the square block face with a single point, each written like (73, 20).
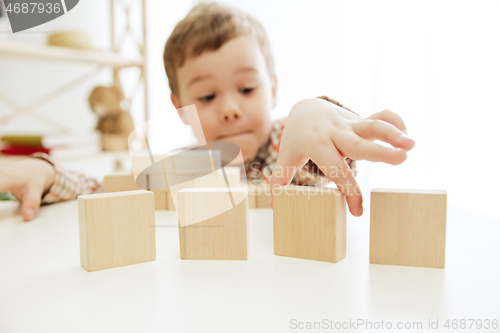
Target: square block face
(221, 237)
(309, 223)
(408, 227)
(116, 229)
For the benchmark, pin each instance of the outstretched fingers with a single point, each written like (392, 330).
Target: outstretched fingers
(361, 149)
(381, 130)
(333, 165)
(284, 170)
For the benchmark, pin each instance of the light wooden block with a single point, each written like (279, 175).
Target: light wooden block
(157, 182)
(116, 229)
(216, 178)
(176, 183)
(197, 161)
(252, 196)
(408, 227)
(170, 202)
(309, 223)
(222, 237)
(120, 181)
(142, 161)
(161, 199)
(258, 195)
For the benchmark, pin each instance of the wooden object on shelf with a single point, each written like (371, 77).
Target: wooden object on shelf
(408, 227)
(72, 39)
(113, 123)
(309, 223)
(104, 60)
(116, 229)
(67, 54)
(222, 237)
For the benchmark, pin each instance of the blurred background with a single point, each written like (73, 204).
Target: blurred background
(433, 62)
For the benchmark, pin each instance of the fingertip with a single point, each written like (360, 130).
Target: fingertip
(399, 156)
(356, 211)
(407, 143)
(28, 214)
(411, 144)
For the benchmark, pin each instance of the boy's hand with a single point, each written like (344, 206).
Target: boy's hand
(28, 180)
(327, 134)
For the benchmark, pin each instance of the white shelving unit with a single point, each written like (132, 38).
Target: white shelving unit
(102, 59)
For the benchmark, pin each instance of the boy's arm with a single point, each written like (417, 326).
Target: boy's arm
(41, 180)
(67, 184)
(328, 134)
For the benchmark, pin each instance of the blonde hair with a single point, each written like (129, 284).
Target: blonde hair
(207, 27)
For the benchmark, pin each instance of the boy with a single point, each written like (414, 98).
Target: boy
(219, 59)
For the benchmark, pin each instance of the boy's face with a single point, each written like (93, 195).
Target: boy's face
(233, 93)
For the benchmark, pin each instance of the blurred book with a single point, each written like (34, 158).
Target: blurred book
(53, 140)
(6, 196)
(53, 144)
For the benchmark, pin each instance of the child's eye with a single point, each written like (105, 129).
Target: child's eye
(246, 91)
(207, 98)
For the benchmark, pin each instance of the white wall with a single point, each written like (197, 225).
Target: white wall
(433, 62)
(24, 80)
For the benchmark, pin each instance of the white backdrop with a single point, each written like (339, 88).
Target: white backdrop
(433, 62)
(436, 63)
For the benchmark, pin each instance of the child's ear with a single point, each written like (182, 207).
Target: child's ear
(175, 100)
(275, 87)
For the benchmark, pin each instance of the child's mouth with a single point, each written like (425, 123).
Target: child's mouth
(232, 136)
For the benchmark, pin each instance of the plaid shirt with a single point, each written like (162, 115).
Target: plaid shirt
(70, 184)
(67, 184)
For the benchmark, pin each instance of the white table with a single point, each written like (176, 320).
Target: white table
(44, 289)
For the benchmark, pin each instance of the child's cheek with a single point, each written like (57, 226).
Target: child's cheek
(209, 124)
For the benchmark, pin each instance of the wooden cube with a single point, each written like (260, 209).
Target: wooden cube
(143, 160)
(258, 195)
(161, 199)
(262, 199)
(309, 223)
(408, 227)
(170, 202)
(252, 196)
(216, 178)
(195, 161)
(221, 237)
(120, 181)
(116, 229)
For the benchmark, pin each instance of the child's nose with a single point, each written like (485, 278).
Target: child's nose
(230, 113)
